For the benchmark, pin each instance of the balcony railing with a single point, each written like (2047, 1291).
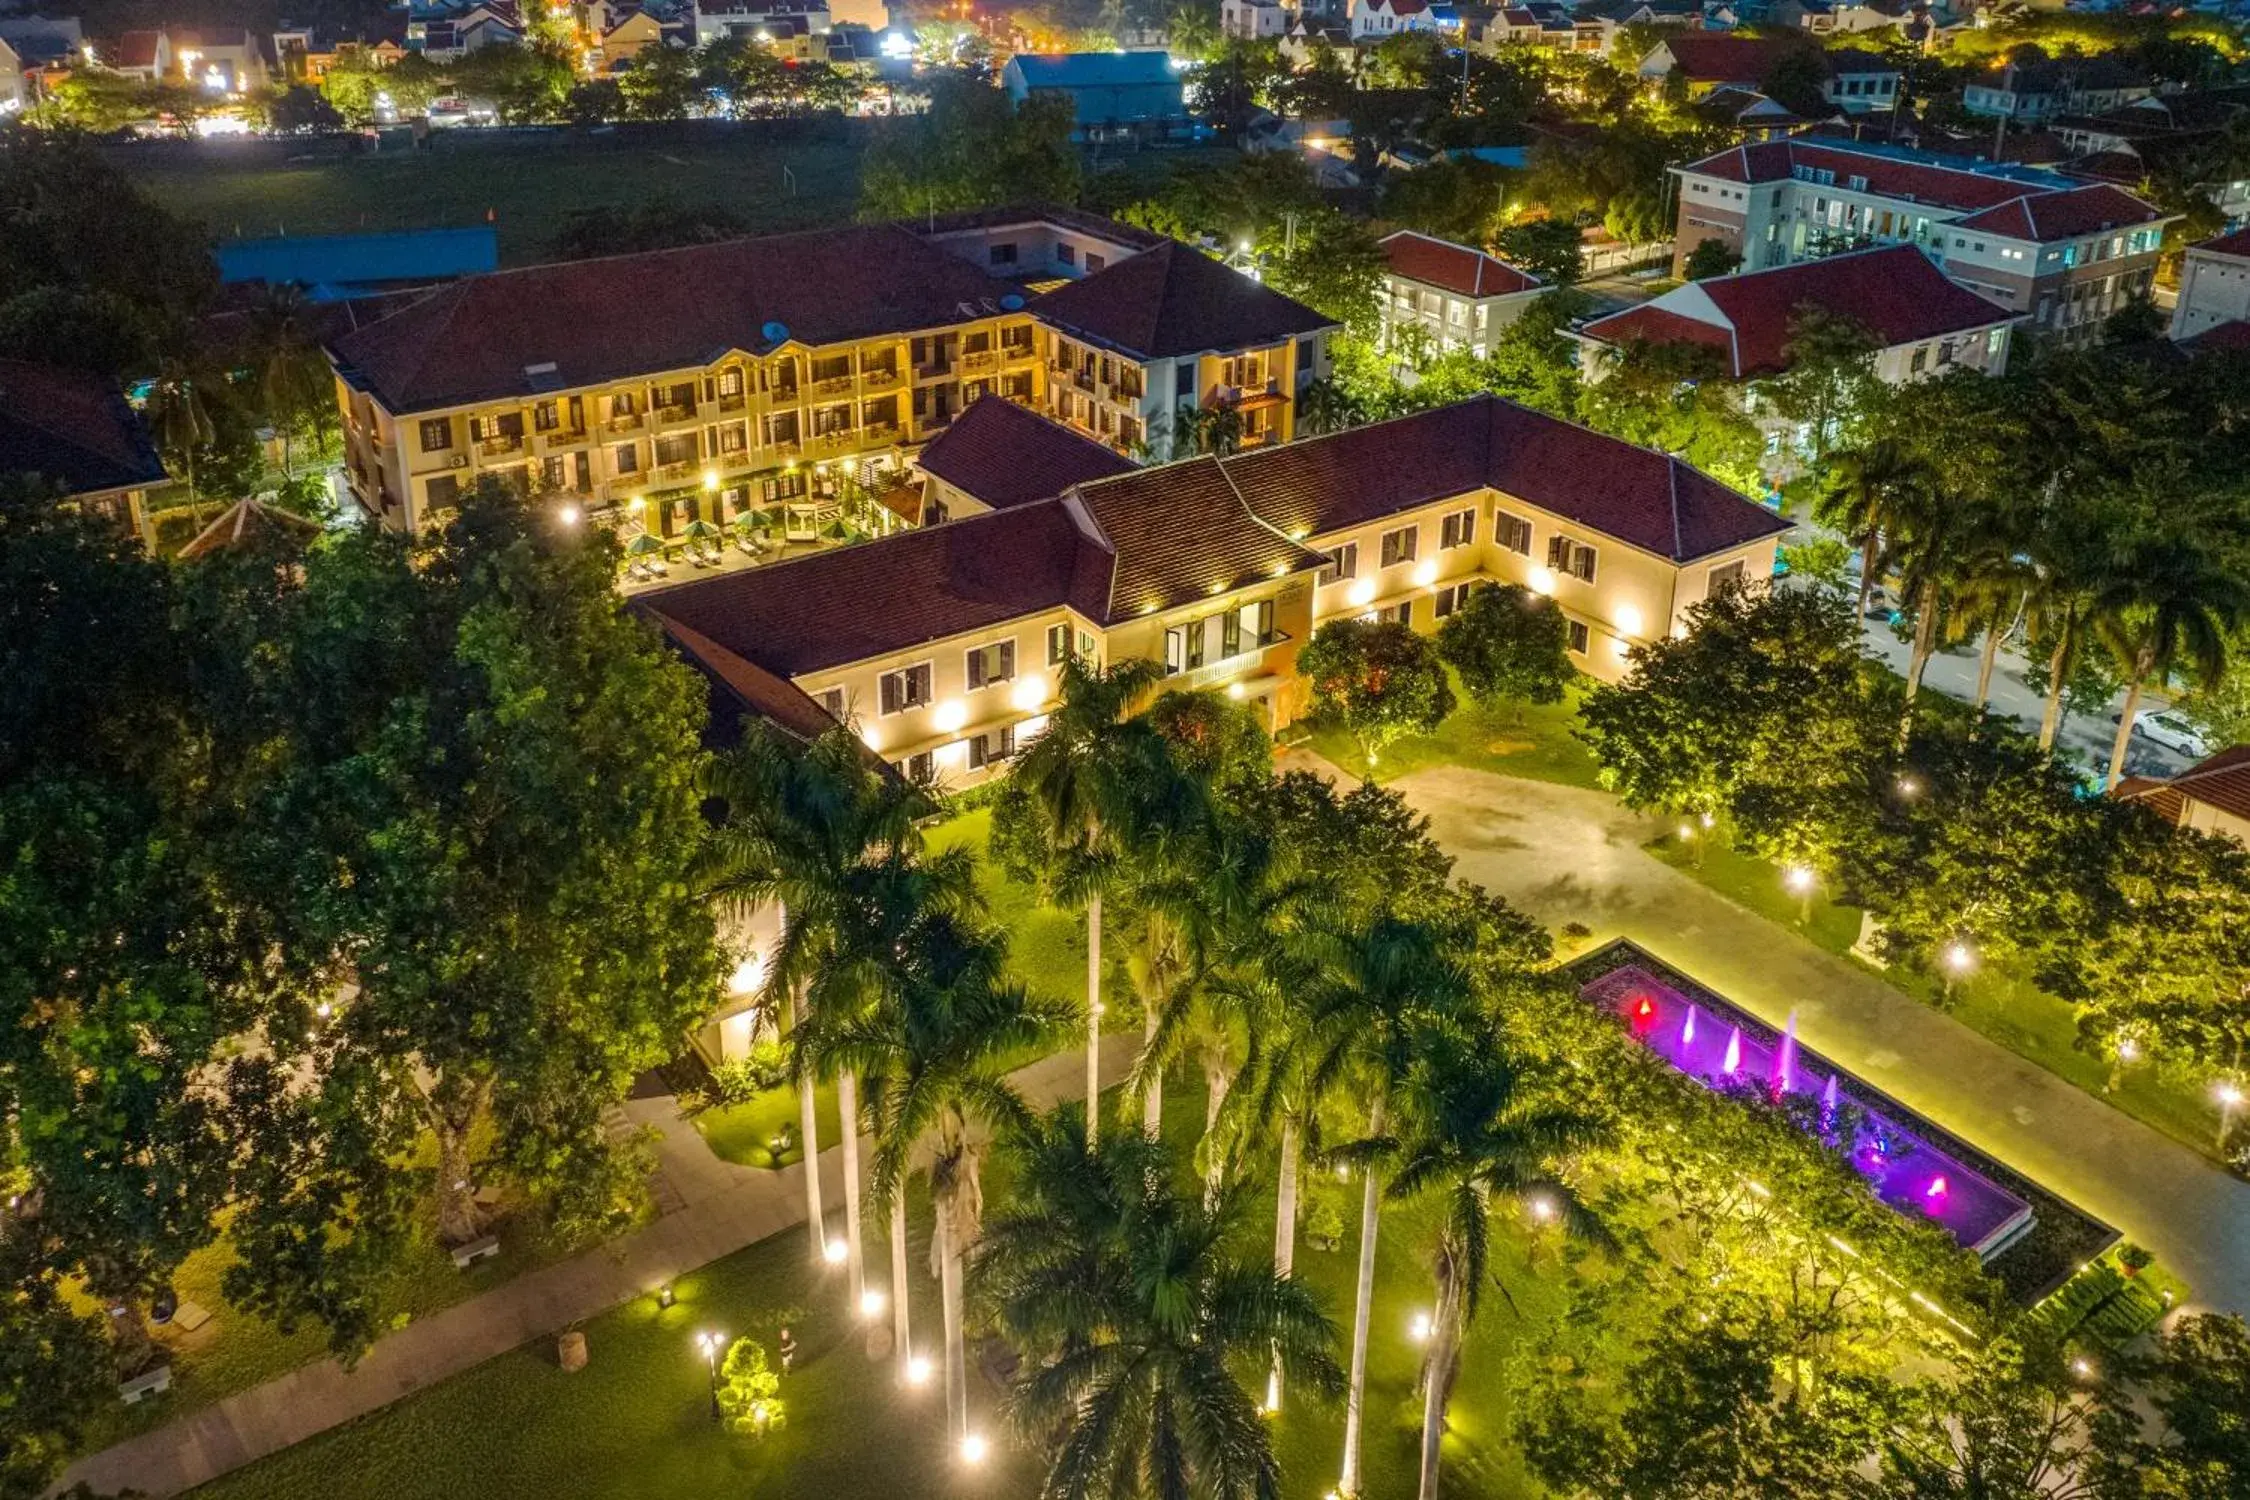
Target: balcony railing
(934, 370)
(785, 448)
(1192, 678)
(499, 447)
(676, 413)
(981, 359)
(837, 441)
(673, 473)
(625, 424)
(732, 403)
(833, 385)
(561, 437)
(881, 375)
(879, 432)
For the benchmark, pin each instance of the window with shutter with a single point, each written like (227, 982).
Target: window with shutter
(1198, 634)
(1230, 633)
(1558, 551)
(1058, 644)
(1175, 650)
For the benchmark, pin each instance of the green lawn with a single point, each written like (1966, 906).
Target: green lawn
(635, 1423)
(1540, 746)
(248, 189)
(741, 1132)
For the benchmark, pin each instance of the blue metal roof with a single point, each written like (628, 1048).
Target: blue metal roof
(1083, 70)
(337, 266)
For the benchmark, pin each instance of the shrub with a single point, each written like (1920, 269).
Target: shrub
(749, 1390)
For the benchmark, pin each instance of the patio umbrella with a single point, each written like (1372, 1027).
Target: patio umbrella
(749, 520)
(643, 545)
(700, 530)
(835, 531)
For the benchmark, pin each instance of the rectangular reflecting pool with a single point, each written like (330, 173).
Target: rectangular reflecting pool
(1713, 1042)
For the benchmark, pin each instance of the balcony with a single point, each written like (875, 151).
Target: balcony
(561, 437)
(733, 403)
(879, 432)
(1217, 671)
(623, 424)
(935, 370)
(982, 359)
(500, 447)
(673, 473)
(839, 441)
(880, 376)
(1083, 379)
(786, 448)
(666, 415)
(834, 385)
(785, 395)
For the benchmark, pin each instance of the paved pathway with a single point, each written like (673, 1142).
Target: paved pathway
(720, 1208)
(1566, 854)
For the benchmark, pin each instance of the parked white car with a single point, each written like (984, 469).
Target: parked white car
(2161, 726)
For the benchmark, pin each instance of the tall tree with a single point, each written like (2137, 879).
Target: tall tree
(1381, 983)
(1067, 816)
(1475, 1129)
(934, 1052)
(1509, 645)
(1863, 494)
(1142, 1324)
(2171, 595)
(1378, 679)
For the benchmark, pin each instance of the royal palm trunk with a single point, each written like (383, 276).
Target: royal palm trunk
(1437, 1377)
(808, 1117)
(902, 1347)
(855, 1261)
(1093, 1018)
(1284, 1233)
(1356, 1396)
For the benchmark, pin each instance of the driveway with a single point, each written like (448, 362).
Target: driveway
(1565, 854)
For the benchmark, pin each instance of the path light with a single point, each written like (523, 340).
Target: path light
(1708, 820)
(974, 1448)
(1420, 1327)
(1958, 958)
(2082, 1368)
(2127, 1048)
(568, 515)
(2230, 1097)
(664, 1295)
(710, 1343)
(833, 1252)
(917, 1370)
(1798, 879)
(1908, 786)
(1687, 832)
(871, 1303)
(1542, 1209)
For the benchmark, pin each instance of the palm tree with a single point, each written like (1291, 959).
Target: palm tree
(1080, 781)
(1379, 984)
(934, 1050)
(1991, 587)
(1923, 547)
(2169, 595)
(1475, 1129)
(1861, 499)
(805, 825)
(1141, 1323)
(292, 375)
(180, 416)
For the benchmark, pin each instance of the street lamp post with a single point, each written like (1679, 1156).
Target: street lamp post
(709, 1344)
(2230, 1099)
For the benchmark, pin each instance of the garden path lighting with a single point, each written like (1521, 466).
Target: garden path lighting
(2230, 1098)
(1799, 878)
(1420, 1328)
(974, 1448)
(871, 1303)
(918, 1370)
(833, 1252)
(709, 1343)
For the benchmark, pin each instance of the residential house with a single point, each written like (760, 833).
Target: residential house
(456, 33)
(303, 54)
(1307, 35)
(1254, 20)
(1922, 323)
(627, 32)
(143, 55)
(1854, 82)
(2067, 253)
(943, 645)
(75, 432)
(1453, 296)
(783, 374)
(998, 455)
(790, 22)
(15, 88)
(1112, 95)
(2214, 286)
(1748, 114)
(2032, 93)
(2212, 796)
(2165, 136)
(1038, 245)
(1136, 352)
(1608, 19)
(221, 61)
(1838, 17)
(1373, 20)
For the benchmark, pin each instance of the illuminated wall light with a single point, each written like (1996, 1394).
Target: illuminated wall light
(1362, 592)
(953, 755)
(1620, 648)
(1425, 574)
(1629, 619)
(870, 737)
(951, 715)
(1235, 691)
(1029, 692)
(748, 976)
(1542, 579)
(710, 479)
(1031, 728)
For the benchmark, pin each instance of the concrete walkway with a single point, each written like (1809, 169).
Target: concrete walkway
(1565, 854)
(711, 1208)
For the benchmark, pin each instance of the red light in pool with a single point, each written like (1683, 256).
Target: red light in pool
(1645, 1009)
(1936, 1189)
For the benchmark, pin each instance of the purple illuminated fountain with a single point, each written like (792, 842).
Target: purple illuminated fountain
(1906, 1171)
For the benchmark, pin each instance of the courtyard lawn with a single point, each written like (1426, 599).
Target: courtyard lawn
(529, 184)
(635, 1424)
(743, 1132)
(1539, 748)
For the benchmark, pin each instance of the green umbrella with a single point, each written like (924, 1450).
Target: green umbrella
(643, 545)
(700, 530)
(749, 520)
(835, 531)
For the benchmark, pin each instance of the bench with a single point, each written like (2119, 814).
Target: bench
(190, 1316)
(465, 1256)
(148, 1383)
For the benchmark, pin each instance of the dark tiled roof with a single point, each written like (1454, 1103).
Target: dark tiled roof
(2221, 781)
(1171, 301)
(1739, 59)
(251, 525)
(753, 688)
(72, 428)
(1010, 215)
(1896, 293)
(1007, 455)
(2237, 243)
(634, 315)
(2056, 216)
(1457, 268)
(1648, 499)
(1182, 532)
(852, 603)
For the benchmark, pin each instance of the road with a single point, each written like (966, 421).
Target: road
(1565, 854)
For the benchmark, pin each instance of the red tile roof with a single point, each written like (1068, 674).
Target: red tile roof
(1457, 268)
(1718, 57)
(1006, 455)
(2221, 781)
(1916, 181)
(1173, 301)
(775, 699)
(634, 315)
(852, 603)
(1896, 293)
(2041, 217)
(73, 429)
(1648, 499)
(2237, 243)
(1114, 549)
